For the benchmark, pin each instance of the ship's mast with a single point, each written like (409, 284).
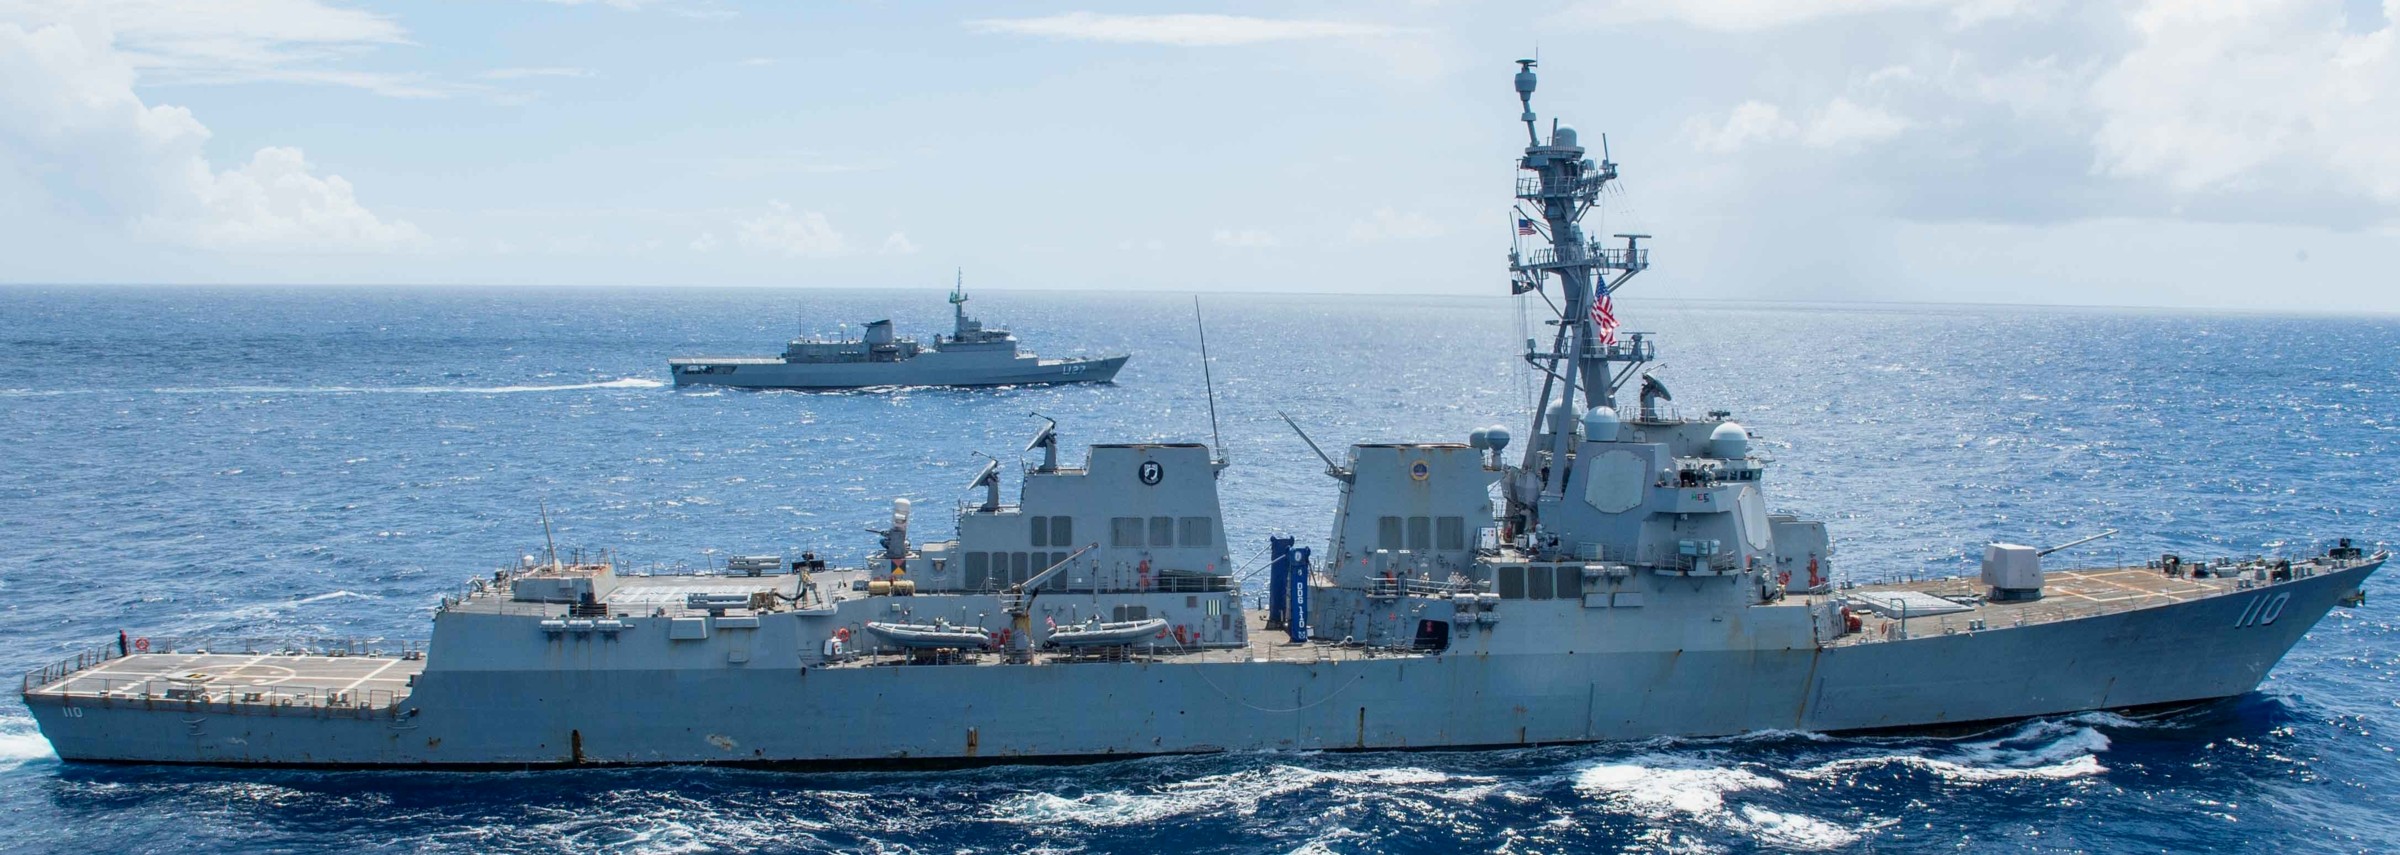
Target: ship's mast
(1564, 185)
(958, 305)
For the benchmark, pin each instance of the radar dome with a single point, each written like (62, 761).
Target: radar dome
(1497, 436)
(1564, 138)
(1480, 439)
(1600, 424)
(1729, 441)
(899, 510)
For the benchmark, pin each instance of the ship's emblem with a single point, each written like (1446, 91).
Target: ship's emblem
(1151, 473)
(1419, 470)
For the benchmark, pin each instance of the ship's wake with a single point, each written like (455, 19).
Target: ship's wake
(21, 743)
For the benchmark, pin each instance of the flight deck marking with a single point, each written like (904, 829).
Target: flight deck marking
(354, 684)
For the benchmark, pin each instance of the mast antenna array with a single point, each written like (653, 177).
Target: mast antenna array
(1210, 381)
(1560, 184)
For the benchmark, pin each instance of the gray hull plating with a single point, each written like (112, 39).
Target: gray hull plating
(580, 709)
(930, 369)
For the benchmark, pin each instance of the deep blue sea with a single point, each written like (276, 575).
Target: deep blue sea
(329, 462)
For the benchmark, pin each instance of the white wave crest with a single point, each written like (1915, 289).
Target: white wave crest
(2038, 750)
(1661, 787)
(1238, 793)
(1670, 789)
(21, 743)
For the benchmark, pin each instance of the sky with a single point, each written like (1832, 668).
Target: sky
(2189, 153)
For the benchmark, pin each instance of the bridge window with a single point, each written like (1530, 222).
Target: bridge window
(1387, 533)
(1512, 583)
(1570, 584)
(1041, 530)
(1062, 531)
(1197, 531)
(1125, 532)
(1420, 533)
(1538, 584)
(1450, 533)
(1017, 562)
(1162, 531)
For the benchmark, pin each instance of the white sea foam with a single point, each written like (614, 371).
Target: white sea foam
(1238, 793)
(2039, 750)
(1662, 787)
(21, 743)
(1668, 789)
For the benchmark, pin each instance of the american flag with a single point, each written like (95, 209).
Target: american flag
(1604, 313)
(1524, 226)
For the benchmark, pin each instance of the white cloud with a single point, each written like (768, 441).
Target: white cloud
(544, 71)
(1845, 122)
(791, 232)
(1387, 224)
(68, 110)
(1244, 238)
(697, 9)
(1841, 123)
(1750, 123)
(240, 41)
(1181, 30)
(898, 244)
(1749, 15)
(2223, 96)
(706, 242)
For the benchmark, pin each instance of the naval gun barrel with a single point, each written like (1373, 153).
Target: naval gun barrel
(2076, 543)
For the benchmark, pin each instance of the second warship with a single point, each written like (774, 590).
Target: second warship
(972, 355)
(1628, 581)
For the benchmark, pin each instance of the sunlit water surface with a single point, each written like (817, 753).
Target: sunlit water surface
(331, 462)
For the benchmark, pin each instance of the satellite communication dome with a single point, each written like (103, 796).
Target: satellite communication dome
(1479, 439)
(1600, 424)
(1497, 436)
(1729, 441)
(1564, 138)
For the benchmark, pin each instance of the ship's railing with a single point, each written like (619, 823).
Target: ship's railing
(157, 690)
(56, 671)
(1400, 586)
(1591, 253)
(1529, 186)
(224, 646)
(232, 645)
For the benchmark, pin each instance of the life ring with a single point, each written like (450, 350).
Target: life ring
(1179, 635)
(1162, 633)
(843, 633)
(141, 645)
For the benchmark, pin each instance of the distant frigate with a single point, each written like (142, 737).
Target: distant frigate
(1626, 581)
(971, 356)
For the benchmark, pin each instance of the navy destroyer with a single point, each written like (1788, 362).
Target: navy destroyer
(972, 355)
(1619, 577)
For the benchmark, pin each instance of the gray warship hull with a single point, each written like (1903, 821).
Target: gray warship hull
(579, 703)
(929, 369)
(971, 355)
(1629, 582)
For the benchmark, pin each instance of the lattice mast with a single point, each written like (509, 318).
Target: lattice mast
(1563, 184)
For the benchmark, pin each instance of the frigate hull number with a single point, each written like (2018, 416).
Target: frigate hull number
(1151, 473)
(2263, 610)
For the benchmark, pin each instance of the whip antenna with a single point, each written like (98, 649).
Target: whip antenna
(1207, 378)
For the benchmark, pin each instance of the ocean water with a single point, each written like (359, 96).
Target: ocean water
(329, 462)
